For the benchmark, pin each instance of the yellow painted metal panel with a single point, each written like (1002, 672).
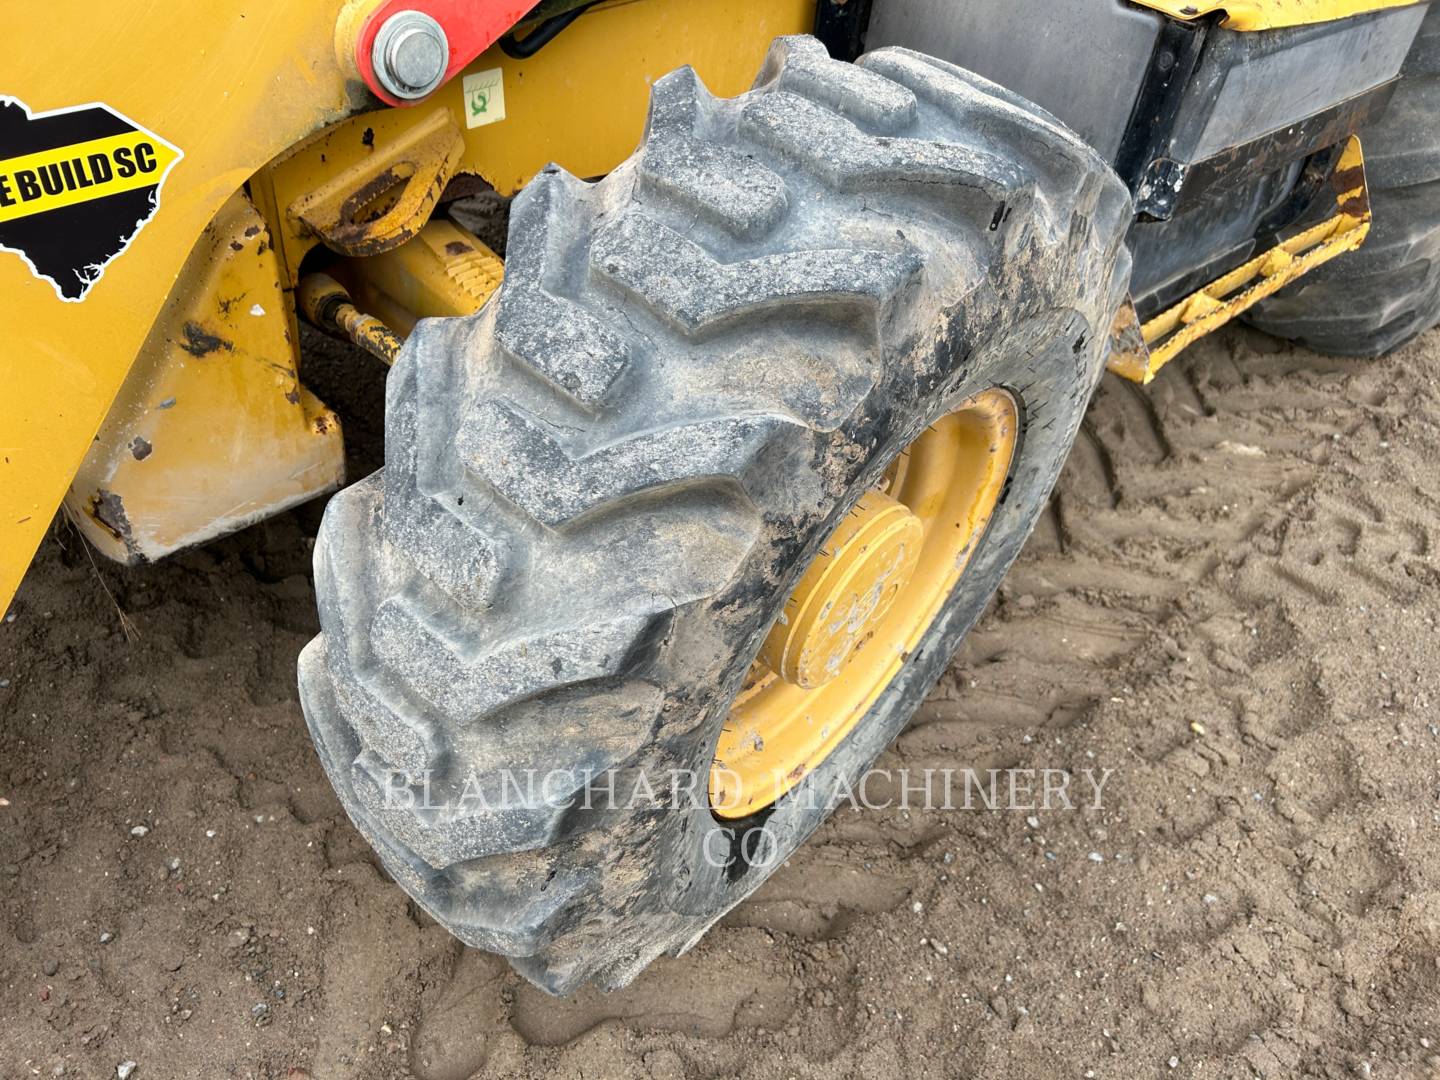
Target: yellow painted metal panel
(230, 83)
(581, 101)
(212, 429)
(1271, 14)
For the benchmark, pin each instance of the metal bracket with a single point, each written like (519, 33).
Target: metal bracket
(386, 197)
(213, 430)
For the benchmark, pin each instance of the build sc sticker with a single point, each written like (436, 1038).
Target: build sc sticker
(76, 187)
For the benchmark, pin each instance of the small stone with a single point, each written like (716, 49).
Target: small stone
(50, 967)
(664, 1065)
(140, 830)
(1231, 663)
(1033, 821)
(106, 937)
(1174, 1062)
(1095, 856)
(1211, 898)
(941, 949)
(917, 907)
(124, 1069)
(4, 683)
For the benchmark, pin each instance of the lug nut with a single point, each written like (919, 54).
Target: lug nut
(410, 54)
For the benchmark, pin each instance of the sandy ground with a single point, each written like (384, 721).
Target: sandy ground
(1231, 602)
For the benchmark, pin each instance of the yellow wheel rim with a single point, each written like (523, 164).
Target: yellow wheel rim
(863, 605)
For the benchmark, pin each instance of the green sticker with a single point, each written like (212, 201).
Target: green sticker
(484, 97)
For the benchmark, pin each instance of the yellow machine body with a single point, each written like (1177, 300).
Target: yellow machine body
(252, 96)
(163, 402)
(265, 78)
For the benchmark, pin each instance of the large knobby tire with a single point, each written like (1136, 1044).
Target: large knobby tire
(599, 490)
(1374, 300)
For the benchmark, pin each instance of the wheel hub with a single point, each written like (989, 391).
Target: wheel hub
(845, 592)
(863, 605)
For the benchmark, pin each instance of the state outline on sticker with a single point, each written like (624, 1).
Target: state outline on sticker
(77, 184)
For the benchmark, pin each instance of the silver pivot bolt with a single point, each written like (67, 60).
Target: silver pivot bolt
(410, 54)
